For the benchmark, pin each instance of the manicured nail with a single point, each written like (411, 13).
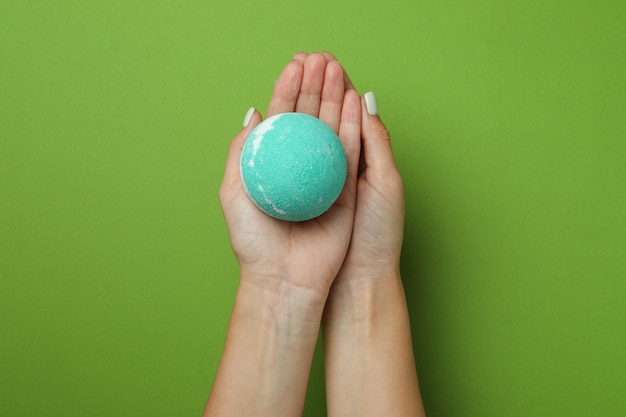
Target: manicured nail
(246, 120)
(370, 103)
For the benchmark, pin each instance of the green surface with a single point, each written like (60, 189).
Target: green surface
(508, 121)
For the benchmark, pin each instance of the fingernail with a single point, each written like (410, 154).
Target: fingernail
(246, 120)
(370, 103)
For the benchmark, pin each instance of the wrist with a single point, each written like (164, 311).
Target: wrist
(368, 348)
(357, 301)
(280, 304)
(268, 352)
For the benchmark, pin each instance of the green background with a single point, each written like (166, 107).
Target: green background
(509, 125)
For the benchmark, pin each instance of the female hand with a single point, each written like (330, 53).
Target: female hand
(374, 254)
(367, 334)
(279, 255)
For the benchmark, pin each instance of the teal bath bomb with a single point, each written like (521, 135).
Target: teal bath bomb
(293, 166)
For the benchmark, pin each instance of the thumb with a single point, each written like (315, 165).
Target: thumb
(231, 174)
(376, 141)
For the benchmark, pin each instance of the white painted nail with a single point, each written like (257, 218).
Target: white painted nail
(246, 120)
(370, 103)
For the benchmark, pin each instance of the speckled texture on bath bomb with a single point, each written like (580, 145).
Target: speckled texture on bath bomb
(293, 166)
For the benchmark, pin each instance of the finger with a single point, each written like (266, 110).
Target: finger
(329, 57)
(346, 79)
(232, 175)
(376, 142)
(312, 82)
(347, 82)
(287, 89)
(332, 95)
(350, 135)
(300, 56)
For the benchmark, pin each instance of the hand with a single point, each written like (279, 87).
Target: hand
(305, 255)
(374, 253)
(370, 368)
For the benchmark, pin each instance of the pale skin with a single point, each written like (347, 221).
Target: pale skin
(338, 273)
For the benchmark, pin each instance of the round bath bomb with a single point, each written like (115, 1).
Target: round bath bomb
(293, 166)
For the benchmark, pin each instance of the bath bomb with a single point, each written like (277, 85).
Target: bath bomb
(293, 166)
